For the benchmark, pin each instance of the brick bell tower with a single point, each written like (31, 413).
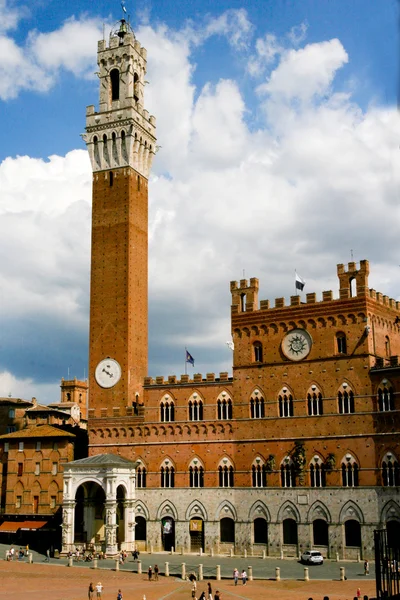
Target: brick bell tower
(120, 138)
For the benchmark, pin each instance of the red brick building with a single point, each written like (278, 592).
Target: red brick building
(300, 447)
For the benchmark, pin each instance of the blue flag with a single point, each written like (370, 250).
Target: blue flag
(189, 358)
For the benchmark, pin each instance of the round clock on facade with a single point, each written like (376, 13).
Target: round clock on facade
(296, 344)
(108, 373)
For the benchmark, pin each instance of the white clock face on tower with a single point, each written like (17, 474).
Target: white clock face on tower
(296, 344)
(108, 373)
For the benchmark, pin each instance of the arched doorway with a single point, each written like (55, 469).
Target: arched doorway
(121, 514)
(352, 530)
(393, 533)
(89, 515)
(196, 530)
(168, 533)
(320, 533)
(141, 533)
(290, 532)
(260, 531)
(227, 530)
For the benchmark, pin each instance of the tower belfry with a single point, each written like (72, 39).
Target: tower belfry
(120, 138)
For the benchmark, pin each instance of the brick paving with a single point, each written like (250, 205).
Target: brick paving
(43, 581)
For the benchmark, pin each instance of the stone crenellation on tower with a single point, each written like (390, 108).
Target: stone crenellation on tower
(121, 133)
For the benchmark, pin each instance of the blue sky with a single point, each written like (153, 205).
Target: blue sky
(279, 134)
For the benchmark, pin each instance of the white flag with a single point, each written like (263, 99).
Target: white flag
(300, 283)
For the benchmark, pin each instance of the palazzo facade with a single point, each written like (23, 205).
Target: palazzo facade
(298, 449)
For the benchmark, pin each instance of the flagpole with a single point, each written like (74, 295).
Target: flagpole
(185, 361)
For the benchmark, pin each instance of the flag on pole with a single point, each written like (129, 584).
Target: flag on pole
(123, 6)
(230, 345)
(300, 283)
(189, 358)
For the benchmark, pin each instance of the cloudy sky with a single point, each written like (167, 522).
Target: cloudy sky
(280, 151)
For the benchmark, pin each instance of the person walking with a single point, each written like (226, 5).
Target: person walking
(358, 593)
(244, 577)
(366, 568)
(209, 592)
(156, 572)
(90, 591)
(217, 595)
(119, 595)
(194, 588)
(99, 589)
(150, 573)
(235, 576)
(47, 559)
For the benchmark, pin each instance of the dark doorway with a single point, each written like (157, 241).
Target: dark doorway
(227, 530)
(141, 529)
(393, 534)
(168, 533)
(196, 530)
(289, 531)
(320, 533)
(352, 531)
(260, 531)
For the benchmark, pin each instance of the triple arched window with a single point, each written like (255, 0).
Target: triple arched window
(345, 400)
(196, 474)
(167, 409)
(195, 408)
(167, 472)
(317, 472)
(224, 407)
(258, 473)
(314, 401)
(385, 397)
(257, 405)
(288, 474)
(225, 473)
(285, 401)
(390, 470)
(349, 471)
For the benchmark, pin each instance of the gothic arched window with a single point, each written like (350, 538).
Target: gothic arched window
(224, 407)
(317, 472)
(285, 401)
(195, 408)
(167, 472)
(257, 408)
(258, 473)
(349, 471)
(314, 401)
(385, 398)
(196, 474)
(167, 410)
(345, 400)
(390, 470)
(288, 475)
(141, 477)
(225, 473)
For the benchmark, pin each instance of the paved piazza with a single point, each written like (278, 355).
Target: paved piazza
(56, 581)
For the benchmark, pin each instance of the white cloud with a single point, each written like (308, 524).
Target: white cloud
(298, 34)
(27, 389)
(306, 72)
(234, 25)
(301, 191)
(267, 49)
(70, 47)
